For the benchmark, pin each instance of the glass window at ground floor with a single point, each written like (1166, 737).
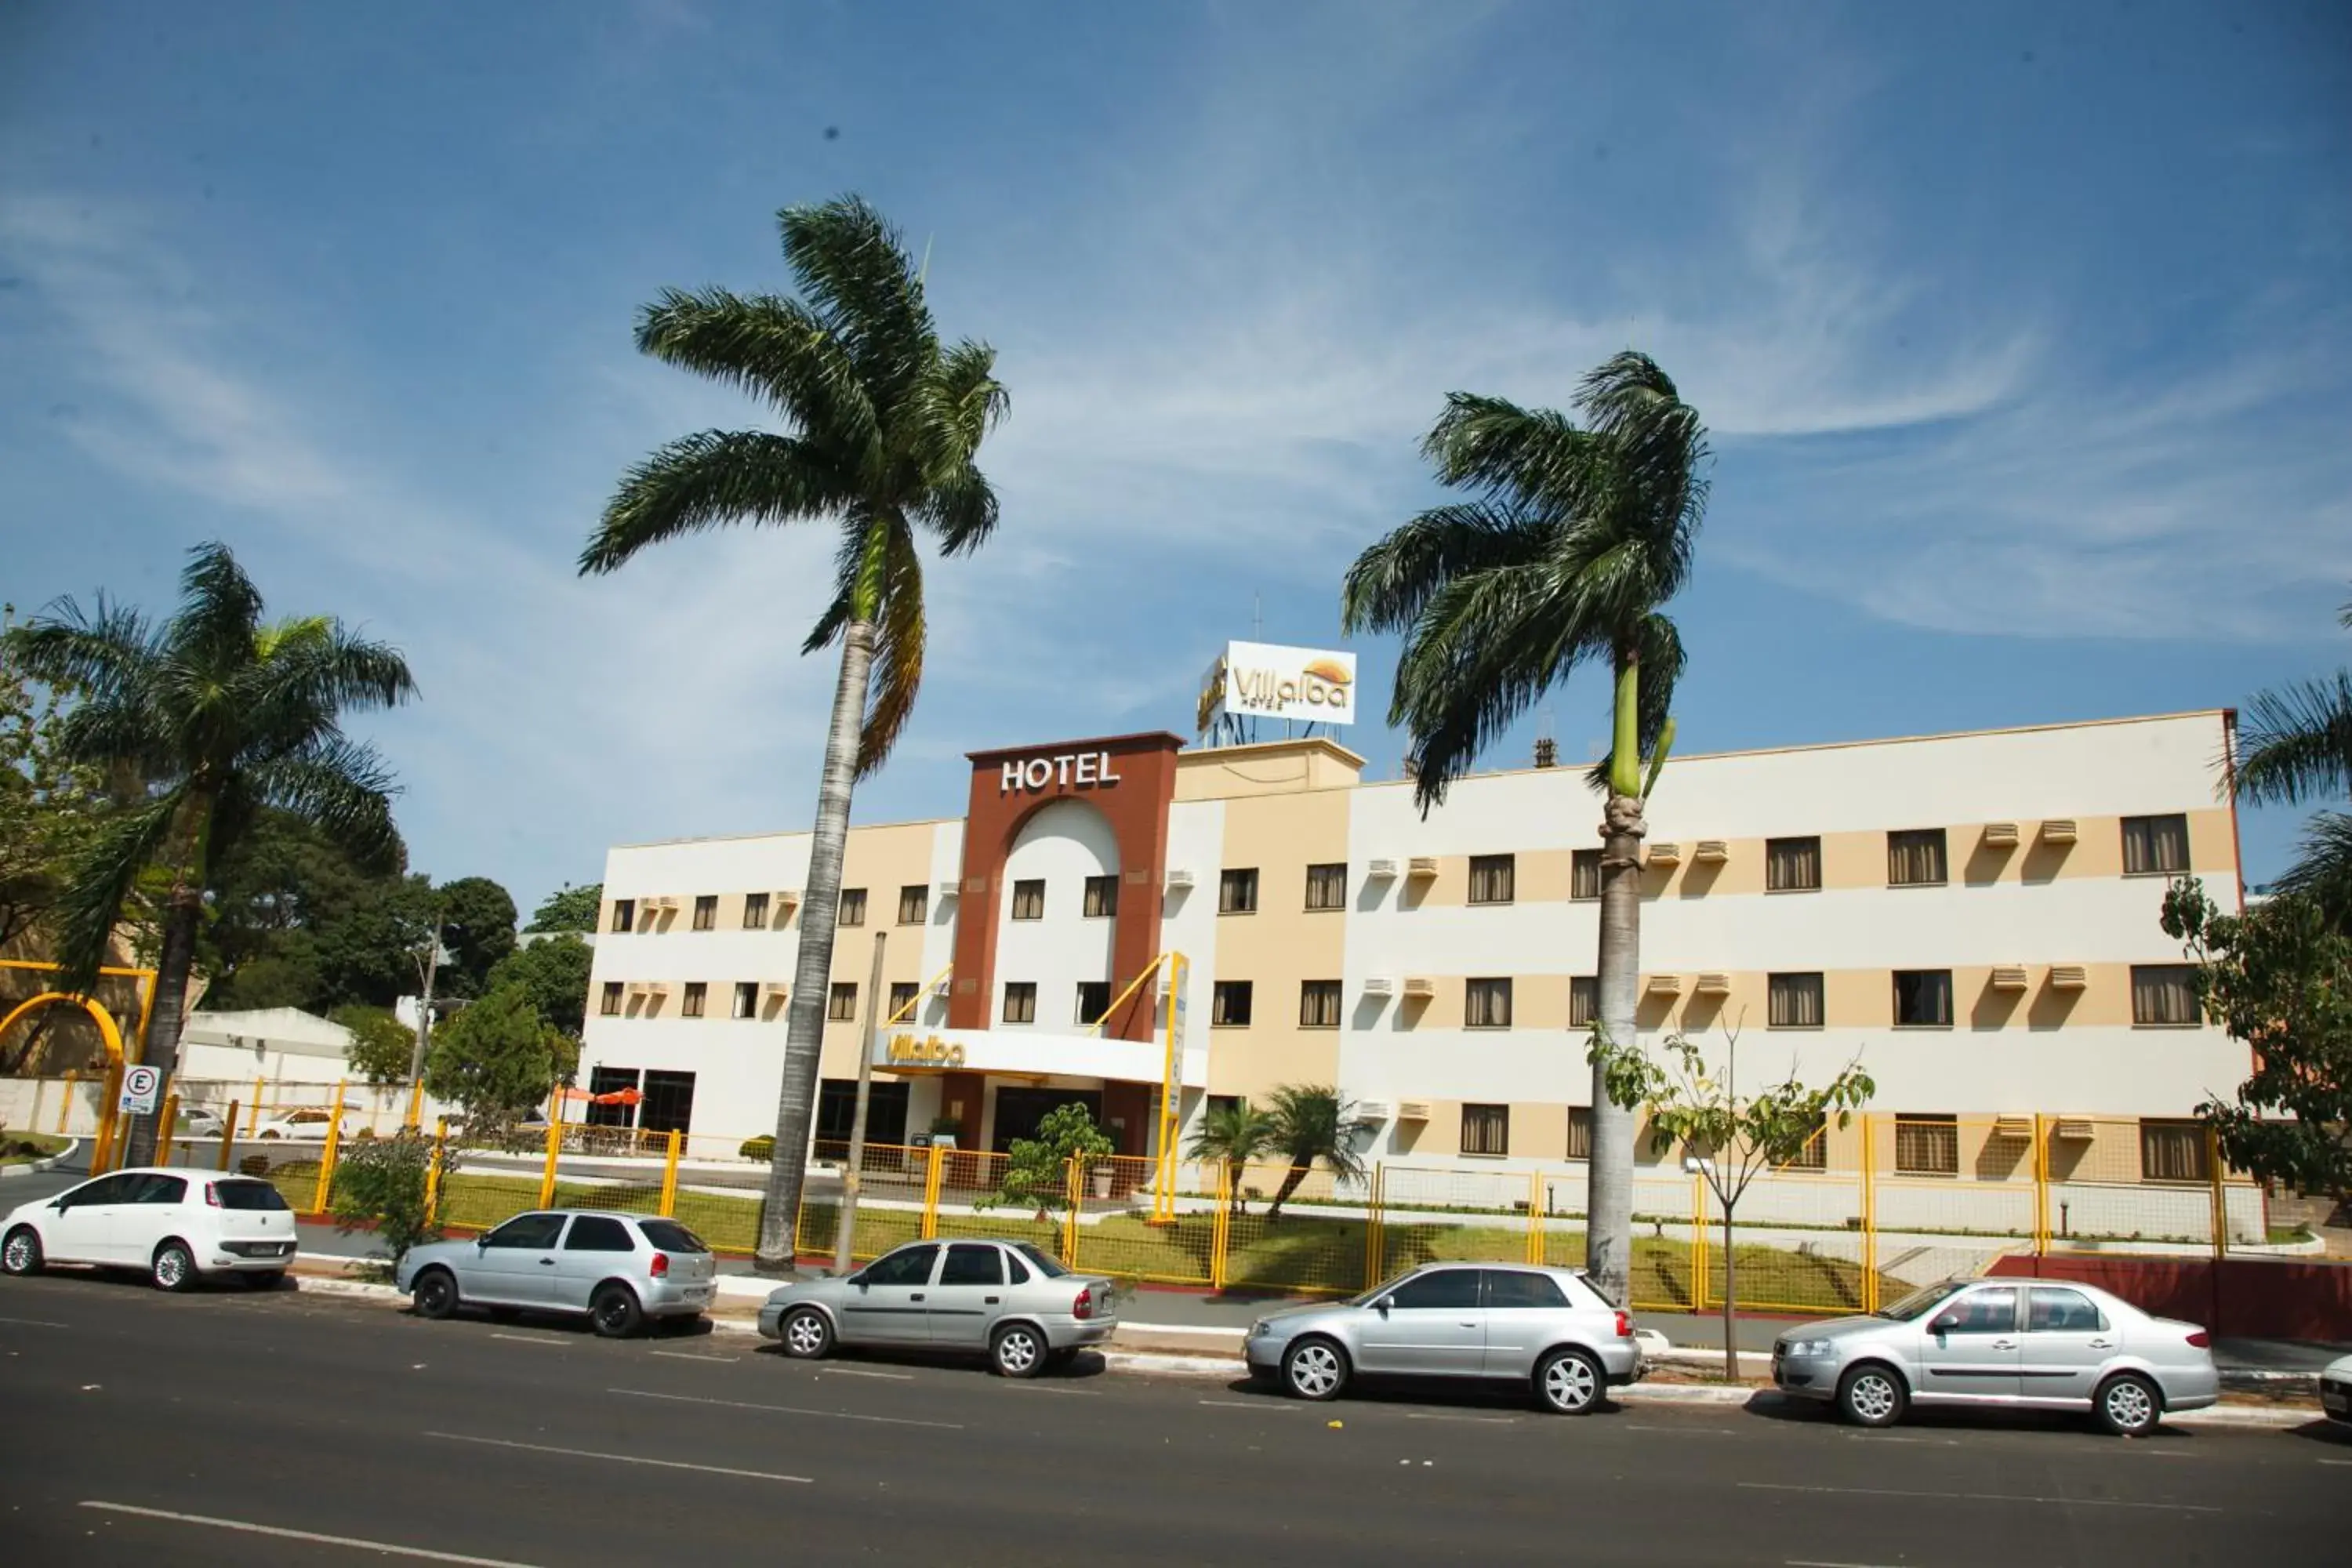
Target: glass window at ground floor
(1928, 1145)
(669, 1101)
(2173, 1151)
(836, 1110)
(1579, 1132)
(610, 1080)
(1486, 1130)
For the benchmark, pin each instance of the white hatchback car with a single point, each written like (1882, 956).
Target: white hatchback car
(308, 1125)
(175, 1226)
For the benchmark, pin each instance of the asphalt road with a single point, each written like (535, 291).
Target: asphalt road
(180, 1429)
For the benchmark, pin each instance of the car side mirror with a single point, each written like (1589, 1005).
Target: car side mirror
(482, 1243)
(1944, 1325)
(1383, 1304)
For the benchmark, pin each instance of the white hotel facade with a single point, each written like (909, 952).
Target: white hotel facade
(1973, 915)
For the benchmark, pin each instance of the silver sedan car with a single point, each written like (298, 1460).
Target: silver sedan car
(1546, 1329)
(2014, 1343)
(617, 1269)
(1012, 1300)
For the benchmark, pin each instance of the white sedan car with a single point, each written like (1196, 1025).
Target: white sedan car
(307, 1125)
(175, 1226)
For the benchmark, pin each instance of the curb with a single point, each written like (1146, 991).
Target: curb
(35, 1167)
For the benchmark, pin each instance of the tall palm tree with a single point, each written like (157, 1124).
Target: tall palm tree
(1234, 1134)
(2295, 744)
(1574, 539)
(883, 422)
(216, 714)
(1311, 1123)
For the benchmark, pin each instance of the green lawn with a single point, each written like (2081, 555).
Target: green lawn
(23, 1148)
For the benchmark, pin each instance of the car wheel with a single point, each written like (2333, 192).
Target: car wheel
(614, 1312)
(806, 1334)
(21, 1253)
(1315, 1369)
(1872, 1395)
(1017, 1350)
(1570, 1383)
(271, 1136)
(2129, 1405)
(434, 1293)
(266, 1279)
(173, 1268)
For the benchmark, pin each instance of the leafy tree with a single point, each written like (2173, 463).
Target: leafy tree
(1574, 541)
(554, 971)
(50, 808)
(2295, 744)
(296, 922)
(1311, 1123)
(382, 1045)
(568, 908)
(221, 715)
(497, 1059)
(1732, 1138)
(2278, 978)
(1236, 1134)
(885, 422)
(380, 1185)
(1037, 1170)
(477, 932)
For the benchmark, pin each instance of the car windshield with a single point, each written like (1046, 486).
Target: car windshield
(670, 1235)
(1044, 1262)
(1920, 1302)
(249, 1196)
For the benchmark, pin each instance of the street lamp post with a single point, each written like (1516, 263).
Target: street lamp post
(847, 1229)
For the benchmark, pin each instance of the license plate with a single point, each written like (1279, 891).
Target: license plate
(699, 1293)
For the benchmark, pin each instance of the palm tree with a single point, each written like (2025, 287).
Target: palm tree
(215, 716)
(884, 424)
(2295, 744)
(1311, 1123)
(1235, 1134)
(1573, 540)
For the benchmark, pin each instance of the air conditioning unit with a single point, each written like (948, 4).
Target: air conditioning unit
(1178, 881)
(664, 902)
(2012, 1127)
(1380, 869)
(638, 987)
(2001, 835)
(951, 888)
(789, 896)
(657, 988)
(1379, 986)
(1712, 985)
(1371, 1110)
(1422, 866)
(2073, 1129)
(1420, 988)
(2008, 977)
(2068, 977)
(1712, 851)
(1665, 855)
(775, 988)
(1413, 1111)
(2058, 830)
(1664, 986)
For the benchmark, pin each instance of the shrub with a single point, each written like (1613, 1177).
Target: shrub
(762, 1148)
(381, 1183)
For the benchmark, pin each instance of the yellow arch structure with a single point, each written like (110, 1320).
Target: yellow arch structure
(102, 1147)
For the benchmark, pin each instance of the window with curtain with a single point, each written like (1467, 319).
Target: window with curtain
(2173, 1151)
(1319, 1004)
(1020, 1001)
(1583, 1000)
(691, 1006)
(1584, 874)
(1795, 1002)
(1487, 1004)
(1914, 858)
(914, 903)
(1792, 865)
(1229, 1004)
(705, 911)
(1029, 898)
(1928, 1145)
(612, 1003)
(852, 907)
(2156, 845)
(1486, 1130)
(1327, 886)
(1579, 1132)
(1102, 898)
(1237, 891)
(841, 1002)
(1815, 1154)
(1491, 877)
(755, 911)
(1094, 1000)
(747, 998)
(2165, 993)
(1922, 998)
(902, 998)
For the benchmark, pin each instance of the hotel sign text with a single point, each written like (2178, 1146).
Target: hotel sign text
(1088, 768)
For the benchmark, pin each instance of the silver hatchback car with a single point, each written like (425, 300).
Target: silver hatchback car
(2019, 1343)
(1546, 1329)
(1011, 1299)
(617, 1269)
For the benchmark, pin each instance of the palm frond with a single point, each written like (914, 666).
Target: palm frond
(1390, 584)
(339, 786)
(2295, 742)
(776, 350)
(100, 883)
(90, 654)
(713, 477)
(898, 639)
(961, 509)
(2322, 871)
(305, 673)
(956, 404)
(852, 268)
(219, 610)
(1534, 457)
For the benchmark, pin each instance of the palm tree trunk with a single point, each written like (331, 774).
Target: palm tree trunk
(1609, 1206)
(159, 1048)
(813, 974)
(1290, 1181)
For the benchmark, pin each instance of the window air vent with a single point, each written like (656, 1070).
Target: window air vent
(2001, 835)
(1381, 869)
(1180, 880)
(2012, 1127)
(1379, 986)
(2058, 830)
(2008, 977)
(1371, 1110)
(2068, 977)
(1665, 855)
(1413, 1111)
(2073, 1129)
(1664, 986)
(1714, 984)
(1712, 851)
(1422, 866)
(1420, 988)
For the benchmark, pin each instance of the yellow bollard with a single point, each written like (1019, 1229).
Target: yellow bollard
(228, 1137)
(254, 1125)
(65, 1100)
(416, 1104)
(2220, 1195)
(930, 1227)
(171, 1125)
(433, 1173)
(669, 1175)
(547, 1178)
(327, 1154)
(1221, 1229)
(1869, 1221)
(1700, 1278)
(1073, 1185)
(1535, 1218)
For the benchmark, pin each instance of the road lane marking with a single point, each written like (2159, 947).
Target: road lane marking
(36, 1322)
(1268, 1406)
(861, 1372)
(2336, 1461)
(1807, 1562)
(1487, 1420)
(247, 1527)
(695, 1355)
(531, 1339)
(623, 1459)
(1096, 1393)
(1980, 1497)
(787, 1409)
(1677, 1431)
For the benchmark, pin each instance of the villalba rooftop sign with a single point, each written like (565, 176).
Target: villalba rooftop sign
(1266, 680)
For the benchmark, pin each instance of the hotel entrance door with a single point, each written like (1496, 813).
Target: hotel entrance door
(1020, 1110)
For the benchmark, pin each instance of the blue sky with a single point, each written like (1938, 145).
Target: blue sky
(2023, 331)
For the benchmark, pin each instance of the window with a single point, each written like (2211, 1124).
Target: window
(1439, 1290)
(160, 1190)
(1579, 1132)
(251, 1195)
(1229, 1004)
(1815, 1154)
(624, 914)
(1237, 893)
(692, 1006)
(1029, 899)
(1922, 998)
(841, 1002)
(595, 1233)
(1794, 1002)
(1486, 1003)
(2053, 1309)
(669, 1105)
(1327, 886)
(1094, 1000)
(529, 1232)
(1102, 898)
(1584, 874)
(1991, 1311)
(610, 1080)
(2165, 993)
(747, 998)
(1486, 1130)
(1319, 1004)
(1020, 1001)
(1928, 1145)
(612, 1003)
(2173, 1151)
(1914, 858)
(914, 904)
(1491, 877)
(755, 911)
(1508, 1288)
(902, 997)
(1792, 865)
(973, 1263)
(2154, 846)
(852, 907)
(705, 911)
(908, 1266)
(1583, 1000)
(1043, 1261)
(669, 1236)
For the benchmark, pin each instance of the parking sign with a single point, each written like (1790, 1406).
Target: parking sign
(140, 1086)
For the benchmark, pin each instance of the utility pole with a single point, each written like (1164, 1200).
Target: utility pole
(846, 1230)
(430, 968)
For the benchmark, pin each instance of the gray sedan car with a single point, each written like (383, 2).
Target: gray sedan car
(617, 1269)
(2017, 1344)
(1546, 1329)
(1008, 1298)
